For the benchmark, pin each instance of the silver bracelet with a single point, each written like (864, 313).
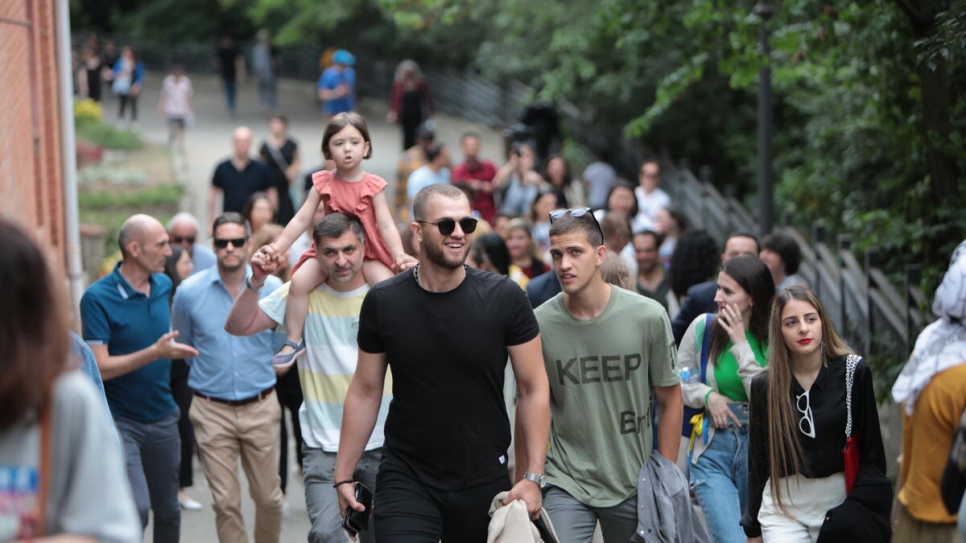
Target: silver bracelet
(250, 286)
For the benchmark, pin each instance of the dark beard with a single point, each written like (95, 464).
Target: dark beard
(435, 254)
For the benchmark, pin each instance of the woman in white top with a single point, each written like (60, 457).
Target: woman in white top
(175, 105)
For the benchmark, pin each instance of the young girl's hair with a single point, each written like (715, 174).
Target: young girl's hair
(340, 121)
(755, 279)
(781, 428)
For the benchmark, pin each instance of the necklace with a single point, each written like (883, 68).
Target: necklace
(416, 275)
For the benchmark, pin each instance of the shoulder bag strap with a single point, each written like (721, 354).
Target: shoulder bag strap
(705, 344)
(277, 156)
(850, 363)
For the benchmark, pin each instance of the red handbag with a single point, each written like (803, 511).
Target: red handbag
(850, 453)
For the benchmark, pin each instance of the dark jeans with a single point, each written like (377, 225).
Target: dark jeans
(152, 452)
(229, 86)
(125, 100)
(182, 396)
(406, 511)
(290, 398)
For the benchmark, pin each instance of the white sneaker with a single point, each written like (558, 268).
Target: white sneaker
(187, 503)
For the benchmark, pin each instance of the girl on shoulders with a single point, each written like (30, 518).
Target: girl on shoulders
(351, 190)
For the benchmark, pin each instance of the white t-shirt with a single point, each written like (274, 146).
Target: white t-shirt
(649, 204)
(177, 93)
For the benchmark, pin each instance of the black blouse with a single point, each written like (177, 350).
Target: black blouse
(825, 403)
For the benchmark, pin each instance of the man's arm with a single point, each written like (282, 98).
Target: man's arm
(360, 411)
(245, 317)
(273, 196)
(116, 366)
(533, 418)
(669, 420)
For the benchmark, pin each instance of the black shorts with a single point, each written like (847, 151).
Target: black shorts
(176, 122)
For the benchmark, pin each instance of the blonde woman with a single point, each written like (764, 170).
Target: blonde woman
(799, 416)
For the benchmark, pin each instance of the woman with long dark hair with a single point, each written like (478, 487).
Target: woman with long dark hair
(58, 448)
(814, 392)
(733, 347)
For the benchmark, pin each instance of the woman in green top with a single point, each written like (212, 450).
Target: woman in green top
(736, 352)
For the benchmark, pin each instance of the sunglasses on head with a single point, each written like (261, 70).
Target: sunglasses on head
(448, 226)
(576, 213)
(183, 239)
(221, 243)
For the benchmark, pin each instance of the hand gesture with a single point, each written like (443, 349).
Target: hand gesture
(270, 253)
(730, 319)
(262, 267)
(529, 492)
(720, 412)
(167, 347)
(404, 262)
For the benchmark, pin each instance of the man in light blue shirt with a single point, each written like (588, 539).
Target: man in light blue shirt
(235, 414)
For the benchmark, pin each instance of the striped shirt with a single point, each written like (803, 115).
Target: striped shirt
(331, 356)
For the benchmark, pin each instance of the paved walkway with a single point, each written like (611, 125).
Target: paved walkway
(209, 142)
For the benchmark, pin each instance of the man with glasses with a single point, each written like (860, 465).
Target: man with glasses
(127, 324)
(234, 412)
(606, 350)
(183, 230)
(445, 330)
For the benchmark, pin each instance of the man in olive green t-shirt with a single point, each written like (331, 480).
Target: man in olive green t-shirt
(606, 351)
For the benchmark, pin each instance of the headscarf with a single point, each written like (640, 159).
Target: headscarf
(942, 344)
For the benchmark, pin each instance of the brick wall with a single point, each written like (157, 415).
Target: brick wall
(30, 165)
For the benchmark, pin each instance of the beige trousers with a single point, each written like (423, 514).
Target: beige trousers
(250, 433)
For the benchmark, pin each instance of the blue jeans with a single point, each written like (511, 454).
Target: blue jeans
(720, 481)
(268, 91)
(152, 452)
(229, 87)
(322, 501)
(575, 522)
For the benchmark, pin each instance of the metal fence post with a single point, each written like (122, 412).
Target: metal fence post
(871, 261)
(818, 237)
(913, 278)
(845, 244)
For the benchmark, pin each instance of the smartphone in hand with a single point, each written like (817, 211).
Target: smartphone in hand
(357, 521)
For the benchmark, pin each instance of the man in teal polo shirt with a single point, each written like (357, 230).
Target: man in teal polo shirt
(126, 322)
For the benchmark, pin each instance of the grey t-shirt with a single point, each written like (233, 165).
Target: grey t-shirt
(89, 493)
(601, 372)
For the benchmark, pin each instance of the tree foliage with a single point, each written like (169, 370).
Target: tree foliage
(868, 94)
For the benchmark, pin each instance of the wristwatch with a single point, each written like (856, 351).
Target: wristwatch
(538, 478)
(250, 286)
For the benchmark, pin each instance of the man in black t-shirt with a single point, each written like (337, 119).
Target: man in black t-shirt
(231, 67)
(446, 331)
(238, 177)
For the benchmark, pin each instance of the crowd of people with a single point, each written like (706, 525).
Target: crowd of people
(493, 333)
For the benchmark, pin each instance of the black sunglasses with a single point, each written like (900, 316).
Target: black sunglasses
(576, 213)
(236, 242)
(448, 226)
(183, 239)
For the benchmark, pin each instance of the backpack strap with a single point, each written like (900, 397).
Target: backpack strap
(709, 319)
